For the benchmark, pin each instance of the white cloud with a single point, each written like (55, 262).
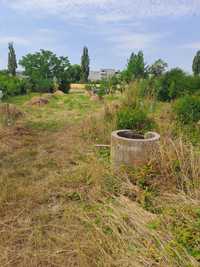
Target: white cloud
(42, 37)
(124, 41)
(105, 8)
(16, 39)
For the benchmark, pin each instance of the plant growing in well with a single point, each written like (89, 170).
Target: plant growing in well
(134, 119)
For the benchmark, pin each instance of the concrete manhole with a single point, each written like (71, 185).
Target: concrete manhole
(133, 149)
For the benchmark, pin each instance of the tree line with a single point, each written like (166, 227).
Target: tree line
(43, 71)
(155, 80)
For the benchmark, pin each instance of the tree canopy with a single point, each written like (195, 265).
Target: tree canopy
(44, 65)
(158, 67)
(136, 67)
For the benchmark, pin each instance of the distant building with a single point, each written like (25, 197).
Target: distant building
(94, 76)
(102, 74)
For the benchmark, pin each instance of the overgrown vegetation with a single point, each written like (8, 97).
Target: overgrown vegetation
(187, 109)
(134, 119)
(62, 204)
(75, 205)
(11, 86)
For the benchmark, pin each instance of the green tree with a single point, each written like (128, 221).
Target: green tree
(74, 73)
(12, 61)
(136, 67)
(171, 85)
(43, 67)
(158, 67)
(196, 64)
(85, 65)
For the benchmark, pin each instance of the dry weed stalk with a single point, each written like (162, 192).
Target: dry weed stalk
(180, 163)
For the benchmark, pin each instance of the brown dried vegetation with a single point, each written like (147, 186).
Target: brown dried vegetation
(62, 205)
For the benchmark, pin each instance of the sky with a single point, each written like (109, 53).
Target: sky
(111, 29)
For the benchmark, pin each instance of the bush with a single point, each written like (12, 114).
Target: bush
(64, 86)
(48, 85)
(134, 119)
(12, 86)
(43, 85)
(187, 109)
(171, 85)
(175, 83)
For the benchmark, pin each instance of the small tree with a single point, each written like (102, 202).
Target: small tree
(85, 65)
(136, 67)
(158, 67)
(196, 64)
(12, 61)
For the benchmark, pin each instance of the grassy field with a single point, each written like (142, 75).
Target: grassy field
(60, 111)
(62, 205)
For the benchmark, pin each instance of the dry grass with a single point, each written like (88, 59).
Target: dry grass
(62, 205)
(9, 113)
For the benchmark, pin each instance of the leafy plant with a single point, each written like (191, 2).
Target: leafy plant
(134, 119)
(187, 109)
(171, 85)
(11, 86)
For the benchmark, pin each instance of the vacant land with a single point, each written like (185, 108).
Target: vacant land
(62, 205)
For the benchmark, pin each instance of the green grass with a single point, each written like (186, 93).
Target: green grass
(58, 113)
(20, 100)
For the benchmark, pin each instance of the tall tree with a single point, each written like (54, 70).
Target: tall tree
(12, 61)
(196, 64)
(136, 67)
(85, 65)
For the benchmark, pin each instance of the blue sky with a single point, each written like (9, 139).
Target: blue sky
(112, 29)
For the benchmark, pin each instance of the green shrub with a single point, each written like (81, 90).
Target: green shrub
(175, 83)
(48, 85)
(12, 86)
(187, 109)
(171, 85)
(134, 119)
(43, 85)
(64, 86)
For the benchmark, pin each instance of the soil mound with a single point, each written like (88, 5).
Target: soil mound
(58, 93)
(96, 98)
(38, 101)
